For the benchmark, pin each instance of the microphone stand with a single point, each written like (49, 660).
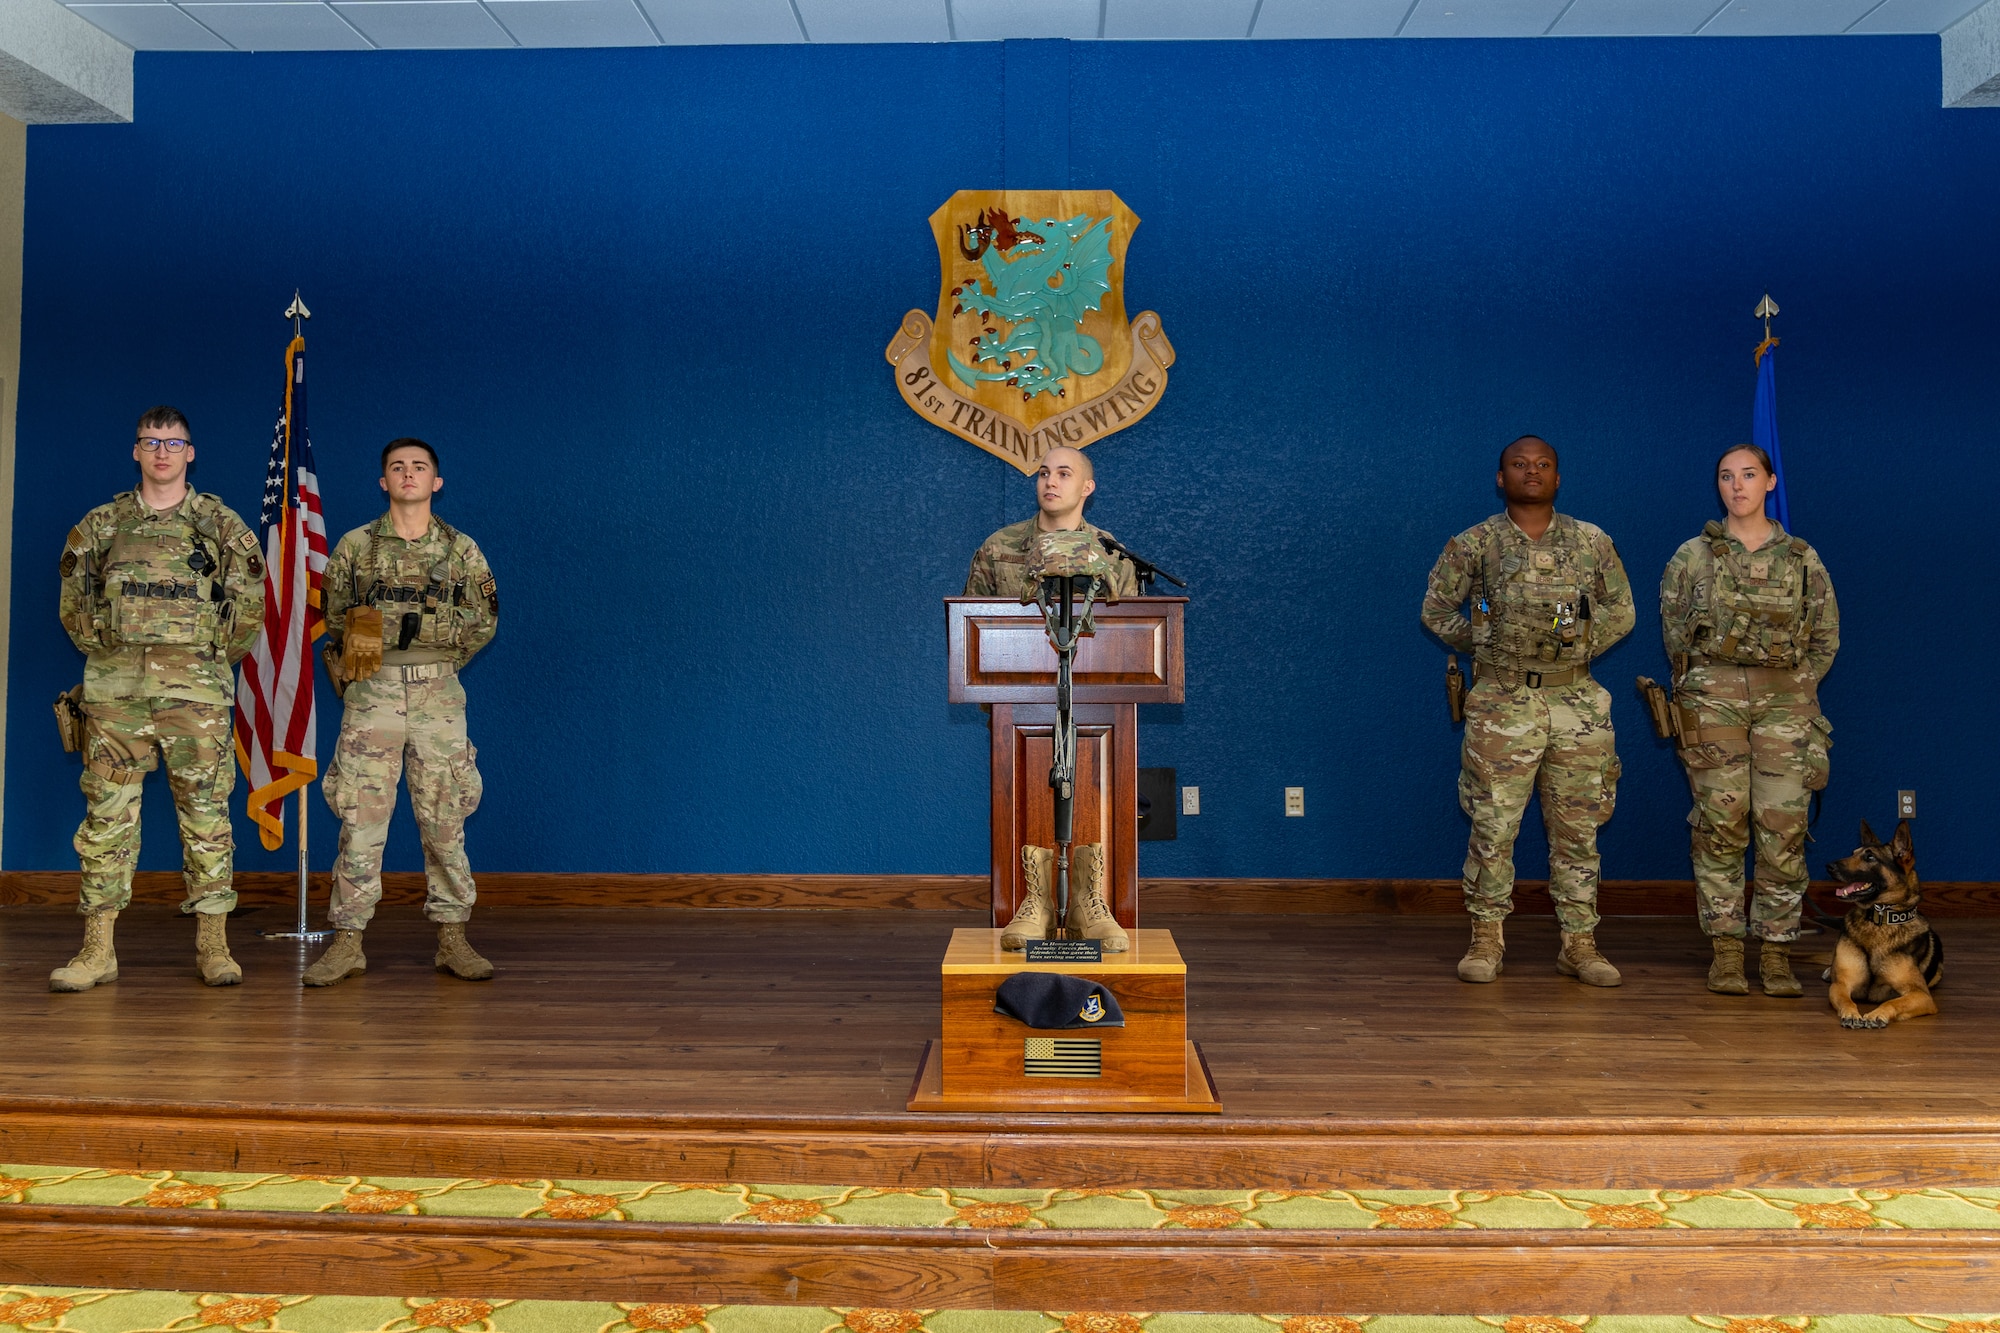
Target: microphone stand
(1146, 570)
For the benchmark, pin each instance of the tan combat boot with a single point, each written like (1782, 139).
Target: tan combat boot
(1725, 974)
(211, 951)
(1037, 911)
(1089, 914)
(343, 959)
(1580, 959)
(1774, 964)
(97, 962)
(458, 957)
(1482, 960)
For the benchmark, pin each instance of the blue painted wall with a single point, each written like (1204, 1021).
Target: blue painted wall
(639, 300)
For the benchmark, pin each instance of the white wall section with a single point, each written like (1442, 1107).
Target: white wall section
(56, 67)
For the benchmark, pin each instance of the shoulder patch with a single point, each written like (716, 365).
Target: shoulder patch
(68, 563)
(488, 587)
(255, 565)
(247, 540)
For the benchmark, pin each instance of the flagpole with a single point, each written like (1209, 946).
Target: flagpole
(298, 314)
(305, 883)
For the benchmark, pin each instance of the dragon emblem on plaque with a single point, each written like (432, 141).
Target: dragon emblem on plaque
(1030, 347)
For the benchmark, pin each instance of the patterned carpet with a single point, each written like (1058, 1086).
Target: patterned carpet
(59, 1310)
(1141, 1209)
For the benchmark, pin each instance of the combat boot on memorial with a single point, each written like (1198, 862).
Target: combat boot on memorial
(343, 959)
(1725, 974)
(211, 950)
(1482, 961)
(1580, 959)
(97, 962)
(1037, 911)
(1774, 965)
(458, 957)
(1090, 915)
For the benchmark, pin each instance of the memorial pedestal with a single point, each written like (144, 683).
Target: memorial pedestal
(987, 1061)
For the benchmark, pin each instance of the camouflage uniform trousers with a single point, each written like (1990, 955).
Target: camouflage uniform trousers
(389, 724)
(1561, 738)
(125, 740)
(1758, 788)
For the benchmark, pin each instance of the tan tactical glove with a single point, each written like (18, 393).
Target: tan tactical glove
(362, 653)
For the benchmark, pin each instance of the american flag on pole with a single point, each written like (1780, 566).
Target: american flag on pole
(277, 737)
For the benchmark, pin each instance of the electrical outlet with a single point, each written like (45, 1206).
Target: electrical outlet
(1190, 800)
(1295, 802)
(1906, 805)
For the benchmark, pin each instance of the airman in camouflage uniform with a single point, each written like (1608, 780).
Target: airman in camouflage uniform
(1751, 631)
(438, 605)
(1066, 479)
(1541, 606)
(163, 591)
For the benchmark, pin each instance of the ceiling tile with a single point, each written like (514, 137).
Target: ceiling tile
(712, 22)
(1915, 15)
(574, 22)
(1177, 20)
(997, 20)
(1635, 18)
(1482, 18)
(151, 27)
(875, 20)
(1280, 19)
(256, 25)
(1785, 18)
(416, 24)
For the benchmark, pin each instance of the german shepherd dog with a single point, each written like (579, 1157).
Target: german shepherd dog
(1888, 954)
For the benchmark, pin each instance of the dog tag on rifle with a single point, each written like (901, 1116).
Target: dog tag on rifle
(1064, 951)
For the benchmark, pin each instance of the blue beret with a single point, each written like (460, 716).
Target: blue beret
(1057, 1000)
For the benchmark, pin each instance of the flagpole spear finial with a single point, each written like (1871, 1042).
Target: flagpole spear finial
(1765, 309)
(297, 312)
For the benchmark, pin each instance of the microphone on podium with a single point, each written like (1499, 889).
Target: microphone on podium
(1144, 568)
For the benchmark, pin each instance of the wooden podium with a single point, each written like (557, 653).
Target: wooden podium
(985, 1061)
(1000, 656)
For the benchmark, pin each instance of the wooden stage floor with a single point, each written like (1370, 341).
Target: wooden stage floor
(1344, 1049)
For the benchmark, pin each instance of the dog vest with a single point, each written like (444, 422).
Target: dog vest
(1890, 916)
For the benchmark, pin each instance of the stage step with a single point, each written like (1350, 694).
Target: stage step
(1018, 1150)
(1388, 1252)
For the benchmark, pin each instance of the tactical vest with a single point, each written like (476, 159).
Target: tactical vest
(162, 581)
(420, 597)
(1531, 605)
(1755, 612)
